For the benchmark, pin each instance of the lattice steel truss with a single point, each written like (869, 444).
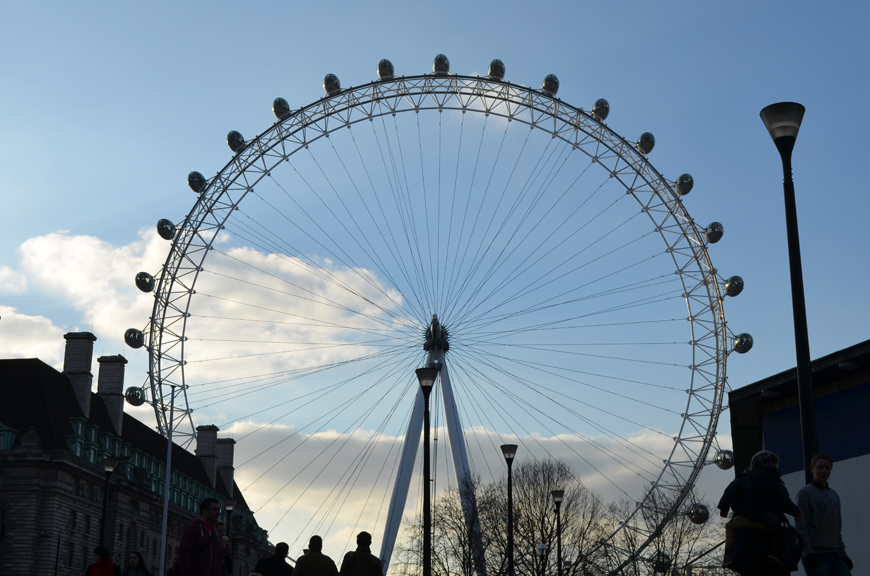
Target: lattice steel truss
(684, 241)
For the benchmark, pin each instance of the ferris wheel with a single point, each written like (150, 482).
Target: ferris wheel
(516, 242)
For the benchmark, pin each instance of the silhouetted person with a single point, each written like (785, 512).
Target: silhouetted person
(361, 562)
(200, 552)
(275, 565)
(314, 563)
(103, 565)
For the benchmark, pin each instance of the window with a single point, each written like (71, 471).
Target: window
(87, 524)
(72, 520)
(121, 532)
(69, 554)
(154, 546)
(85, 562)
(143, 540)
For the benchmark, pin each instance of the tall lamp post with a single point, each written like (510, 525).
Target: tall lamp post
(510, 452)
(783, 120)
(427, 377)
(109, 465)
(557, 498)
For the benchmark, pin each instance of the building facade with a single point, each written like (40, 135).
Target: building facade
(55, 434)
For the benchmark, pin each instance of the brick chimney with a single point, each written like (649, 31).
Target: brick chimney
(225, 448)
(77, 360)
(110, 387)
(206, 450)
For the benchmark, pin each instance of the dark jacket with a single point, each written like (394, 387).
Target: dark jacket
(200, 552)
(361, 563)
(273, 566)
(766, 498)
(732, 498)
(103, 568)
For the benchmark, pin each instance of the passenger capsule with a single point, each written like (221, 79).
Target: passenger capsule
(496, 69)
(196, 181)
(165, 229)
(280, 108)
(601, 109)
(661, 563)
(646, 143)
(144, 281)
(441, 65)
(385, 69)
(685, 183)
(699, 514)
(742, 343)
(733, 286)
(724, 459)
(134, 338)
(331, 84)
(550, 86)
(235, 141)
(135, 396)
(714, 232)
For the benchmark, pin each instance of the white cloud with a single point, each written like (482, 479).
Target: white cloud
(23, 336)
(12, 282)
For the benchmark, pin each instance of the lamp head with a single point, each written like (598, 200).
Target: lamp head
(509, 451)
(427, 377)
(229, 504)
(109, 464)
(557, 496)
(783, 119)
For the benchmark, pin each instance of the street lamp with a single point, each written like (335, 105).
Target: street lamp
(510, 452)
(229, 504)
(427, 377)
(783, 120)
(557, 498)
(542, 554)
(109, 465)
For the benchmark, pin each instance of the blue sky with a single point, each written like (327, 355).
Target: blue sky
(107, 107)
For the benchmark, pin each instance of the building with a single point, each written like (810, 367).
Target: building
(55, 434)
(764, 416)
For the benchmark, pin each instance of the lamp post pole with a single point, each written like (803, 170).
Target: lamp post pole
(510, 452)
(427, 377)
(557, 498)
(109, 467)
(783, 120)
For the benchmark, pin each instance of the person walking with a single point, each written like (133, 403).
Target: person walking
(200, 552)
(135, 566)
(821, 523)
(275, 565)
(103, 565)
(315, 563)
(361, 562)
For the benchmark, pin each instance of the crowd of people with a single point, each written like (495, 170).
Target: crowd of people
(759, 540)
(205, 550)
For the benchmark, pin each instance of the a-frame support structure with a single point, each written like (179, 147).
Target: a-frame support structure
(436, 345)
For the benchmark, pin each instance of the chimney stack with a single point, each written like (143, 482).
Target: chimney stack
(225, 449)
(110, 387)
(77, 360)
(206, 450)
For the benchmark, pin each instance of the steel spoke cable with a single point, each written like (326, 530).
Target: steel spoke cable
(481, 252)
(394, 249)
(309, 372)
(523, 406)
(309, 435)
(540, 388)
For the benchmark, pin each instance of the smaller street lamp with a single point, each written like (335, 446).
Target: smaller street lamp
(229, 504)
(542, 554)
(558, 495)
(427, 377)
(109, 465)
(510, 451)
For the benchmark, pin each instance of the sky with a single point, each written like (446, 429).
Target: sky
(107, 107)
